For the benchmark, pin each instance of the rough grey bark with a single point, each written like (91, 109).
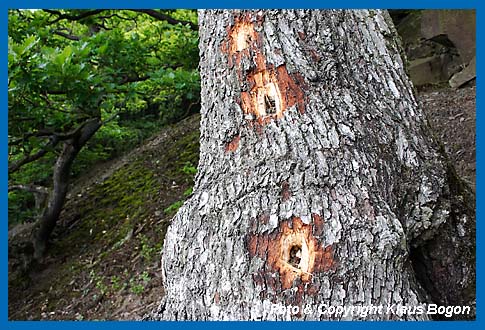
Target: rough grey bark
(319, 181)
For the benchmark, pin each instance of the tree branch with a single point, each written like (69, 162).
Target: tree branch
(43, 132)
(54, 92)
(110, 118)
(68, 17)
(67, 36)
(77, 130)
(150, 12)
(127, 79)
(162, 17)
(53, 140)
(29, 187)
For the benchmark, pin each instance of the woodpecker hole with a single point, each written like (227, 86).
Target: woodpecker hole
(269, 104)
(268, 90)
(296, 252)
(293, 252)
(295, 256)
(264, 100)
(267, 100)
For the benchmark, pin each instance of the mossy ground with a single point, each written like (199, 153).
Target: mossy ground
(103, 262)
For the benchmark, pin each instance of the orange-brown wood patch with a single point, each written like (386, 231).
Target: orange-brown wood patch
(277, 249)
(285, 191)
(234, 144)
(318, 224)
(271, 91)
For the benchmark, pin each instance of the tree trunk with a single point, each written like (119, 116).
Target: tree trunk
(60, 179)
(319, 182)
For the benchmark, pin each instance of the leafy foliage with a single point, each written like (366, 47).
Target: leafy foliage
(132, 70)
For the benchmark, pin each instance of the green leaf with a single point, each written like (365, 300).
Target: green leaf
(28, 43)
(102, 49)
(63, 57)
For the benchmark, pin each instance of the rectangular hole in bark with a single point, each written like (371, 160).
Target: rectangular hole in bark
(270, 104)
(295, 256)
(264, 100)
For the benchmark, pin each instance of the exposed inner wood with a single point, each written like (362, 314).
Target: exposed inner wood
(265, 95)
(241, 36)
(293, 252)
(271, 89)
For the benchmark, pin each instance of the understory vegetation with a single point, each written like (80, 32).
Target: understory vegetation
(134, 71)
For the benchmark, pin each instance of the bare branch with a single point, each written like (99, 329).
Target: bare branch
(54, 139)
(127, 79)
(61, 16)
(30, 188)
(54, 92)
(67, 36)
(112, 117)
(163, 17)
(30, 158)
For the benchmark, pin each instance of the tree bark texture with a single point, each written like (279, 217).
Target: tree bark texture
(318, 176)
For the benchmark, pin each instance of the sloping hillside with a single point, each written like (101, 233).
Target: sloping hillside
(104, 260)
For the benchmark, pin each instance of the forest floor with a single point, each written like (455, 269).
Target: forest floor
(104, 262)
(452, 115)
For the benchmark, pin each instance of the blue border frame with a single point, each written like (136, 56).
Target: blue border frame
(387, 4)
(398, 4)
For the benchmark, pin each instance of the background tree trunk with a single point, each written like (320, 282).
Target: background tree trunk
(60, 185)
(319, 181)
